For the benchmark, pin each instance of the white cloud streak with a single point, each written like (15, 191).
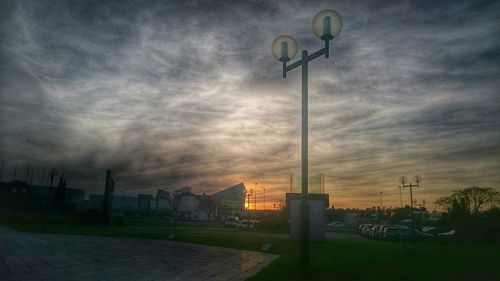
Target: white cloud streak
(171, 95)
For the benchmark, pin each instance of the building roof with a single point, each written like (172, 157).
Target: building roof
(234, 193)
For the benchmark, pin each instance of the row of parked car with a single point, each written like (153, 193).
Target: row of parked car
(235, 222)
(401, 232)
(388, 232)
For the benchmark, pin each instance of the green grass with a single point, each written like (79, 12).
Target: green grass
(331, 260)
(375, 260)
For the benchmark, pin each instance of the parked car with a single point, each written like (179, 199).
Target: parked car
(360, 227)
(397, 233)
(366, 228)
(245, 224)
(383, 227)
(231, 222)
(435, 230)
(449, 233)
(373, 232)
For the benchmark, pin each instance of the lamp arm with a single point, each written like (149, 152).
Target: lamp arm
(324, 51)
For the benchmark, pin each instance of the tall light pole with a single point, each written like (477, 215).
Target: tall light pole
(48, 197)
(401, 196)
(326, 25)
(417, 179)
(264, 199)
(379, 209)
(255, 198)
(381, 193)
(249, 194)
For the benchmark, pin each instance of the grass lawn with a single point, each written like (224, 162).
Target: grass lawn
(331, 260)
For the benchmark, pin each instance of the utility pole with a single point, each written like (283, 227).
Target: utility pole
(43, 177)
(48, 196)
(31, 175)
(380, 209)
(403, 182)
(249, 194)
(322, 183)
(401, 196)
(255, 198)
(52, 175)
(264, 199)
(381, 192)
(48, 179)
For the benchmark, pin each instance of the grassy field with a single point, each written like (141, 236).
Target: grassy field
(331, 260)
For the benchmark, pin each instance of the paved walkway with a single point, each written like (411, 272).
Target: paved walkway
(26, 256)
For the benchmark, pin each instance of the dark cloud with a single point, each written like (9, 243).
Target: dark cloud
(187, 93)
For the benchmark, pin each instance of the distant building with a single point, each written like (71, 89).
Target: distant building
(184, 190)
(230, 201)
(188, 206)
(182, 203)
(144, 202)
(351, 219)
(95, 201)
(19, 195)
(162, 202)
(107, 202)
(125, 203)
(121, 203)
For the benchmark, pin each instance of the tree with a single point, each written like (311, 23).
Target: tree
(400, 214)
(207, 205)
(60, 195)
(470, 199)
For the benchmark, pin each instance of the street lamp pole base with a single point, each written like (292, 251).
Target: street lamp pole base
(304, 241)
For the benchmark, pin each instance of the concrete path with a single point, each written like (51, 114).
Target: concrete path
(26, 256)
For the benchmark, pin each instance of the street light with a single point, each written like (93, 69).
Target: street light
(326, 25)
(381, 193)
(264, 199)
(249, 194)
(403, 180)
(255, 198)
(401, 196)
(380, 212)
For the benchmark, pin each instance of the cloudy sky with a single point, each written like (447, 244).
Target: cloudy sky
(175, 93)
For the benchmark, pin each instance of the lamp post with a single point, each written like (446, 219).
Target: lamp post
(264, 199)
(417, 179)
(249, 194)
(401, 196)
(381, 193)
(48, 197)
(255, 199)
(326, 26)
